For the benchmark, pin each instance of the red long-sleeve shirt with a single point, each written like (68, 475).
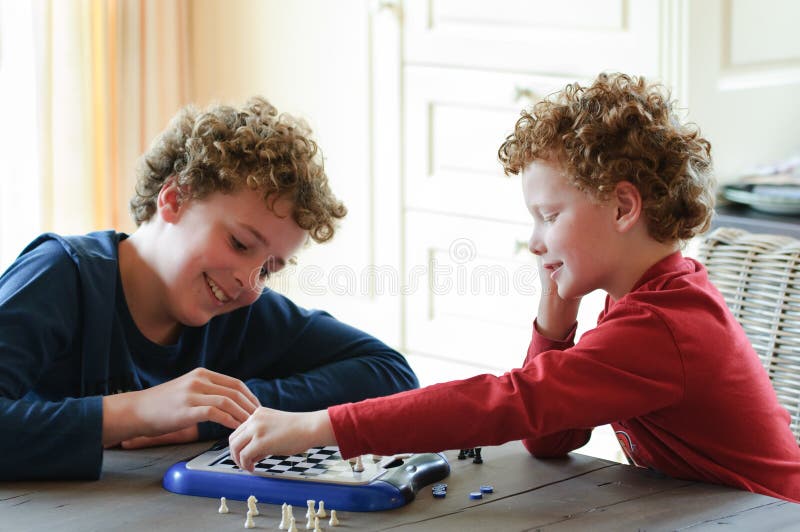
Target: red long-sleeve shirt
(667, 365)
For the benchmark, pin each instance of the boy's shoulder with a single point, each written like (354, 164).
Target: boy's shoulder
(100, 244)
(91, 256)
(676, 289)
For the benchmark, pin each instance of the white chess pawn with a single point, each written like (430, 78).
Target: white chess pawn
(292, 525)
(359, 467)
(284, 524)
(223, 506)
(316, 525)
(248, 523)
(251, 505)
(310, 512)
(310, 523)
(321, 513)
(334, 520)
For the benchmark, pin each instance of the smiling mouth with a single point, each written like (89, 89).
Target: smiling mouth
(553, 268)
(216, 290)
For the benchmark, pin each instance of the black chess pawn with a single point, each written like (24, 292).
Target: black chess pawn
(471, 453)
(462, 454)
(478, 459)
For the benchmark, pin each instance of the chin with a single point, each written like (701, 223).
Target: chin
(197, 321)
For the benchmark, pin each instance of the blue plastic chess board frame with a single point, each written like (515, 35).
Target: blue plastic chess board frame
(395, 485)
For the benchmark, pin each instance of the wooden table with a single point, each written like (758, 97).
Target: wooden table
(575, 493)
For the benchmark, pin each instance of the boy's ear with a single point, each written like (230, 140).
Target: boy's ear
(629, 205)
(169, 201)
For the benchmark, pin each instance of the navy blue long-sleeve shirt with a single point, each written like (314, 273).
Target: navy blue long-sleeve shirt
(67, 338)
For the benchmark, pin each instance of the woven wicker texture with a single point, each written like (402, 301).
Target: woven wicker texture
(759, 277)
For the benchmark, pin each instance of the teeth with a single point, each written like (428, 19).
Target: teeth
(219, 294)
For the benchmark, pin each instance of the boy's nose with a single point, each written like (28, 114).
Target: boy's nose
(535, 244)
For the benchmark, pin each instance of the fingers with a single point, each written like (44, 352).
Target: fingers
(230, 396)
(219, 398)
(248, 443)
(238, 390)
(236, 442)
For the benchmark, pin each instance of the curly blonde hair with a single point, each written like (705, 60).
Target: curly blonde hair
(224, 148)
(621, 128)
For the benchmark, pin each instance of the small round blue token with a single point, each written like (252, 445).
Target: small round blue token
(487, 489)
(475, 495)
(440, 494)
(440, 486)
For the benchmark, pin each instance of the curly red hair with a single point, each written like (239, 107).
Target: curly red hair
(620, 128)
(224, 148)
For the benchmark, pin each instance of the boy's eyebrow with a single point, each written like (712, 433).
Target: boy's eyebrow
(261, 238)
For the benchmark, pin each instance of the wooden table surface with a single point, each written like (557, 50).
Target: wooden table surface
(575, 493)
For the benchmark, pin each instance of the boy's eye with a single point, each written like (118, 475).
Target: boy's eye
(264, 273)
(549, 218)
(238, 246)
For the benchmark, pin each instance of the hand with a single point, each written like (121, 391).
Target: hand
(556, 315)
(270, 431)
(186, 435)
(200, 395)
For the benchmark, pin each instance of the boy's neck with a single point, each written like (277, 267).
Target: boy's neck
(144, 290)
(643, 253)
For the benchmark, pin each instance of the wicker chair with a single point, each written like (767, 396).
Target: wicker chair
(759, 277)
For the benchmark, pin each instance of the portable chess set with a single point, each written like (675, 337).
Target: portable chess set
(369, 484)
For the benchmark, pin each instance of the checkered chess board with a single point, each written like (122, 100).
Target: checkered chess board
(319, 464)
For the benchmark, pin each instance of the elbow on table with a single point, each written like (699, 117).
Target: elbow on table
(556, 445)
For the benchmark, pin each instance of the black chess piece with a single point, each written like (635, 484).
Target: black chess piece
(462, 454)
(478, 459)
(471, 453)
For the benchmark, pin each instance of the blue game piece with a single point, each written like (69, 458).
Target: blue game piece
(487, 489)
(475, 495)
(440, 486)
(440, 494)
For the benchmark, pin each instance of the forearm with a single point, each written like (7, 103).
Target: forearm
(340, 381)
(47, 440)
(482, 410)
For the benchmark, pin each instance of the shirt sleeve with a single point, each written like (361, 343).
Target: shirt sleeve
(39, 307)
(315, 361)
(628, 366)
(559, 443)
